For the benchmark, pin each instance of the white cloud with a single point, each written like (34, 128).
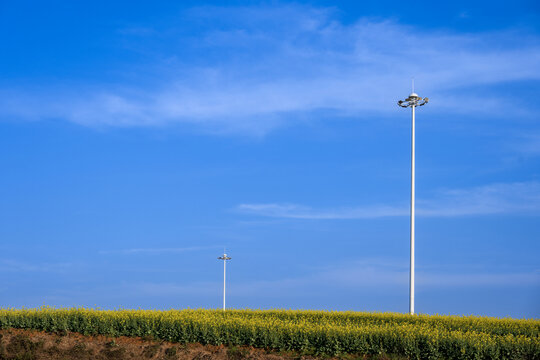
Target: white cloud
(460, 279)
(258, 67)
(391, 272)
(293, 211)
(520, 197)
(528, 144)
(365, 274)
(18, 266)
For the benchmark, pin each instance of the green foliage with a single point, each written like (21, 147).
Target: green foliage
(317, 332)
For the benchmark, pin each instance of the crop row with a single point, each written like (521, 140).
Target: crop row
(487, 325)
(319, 332)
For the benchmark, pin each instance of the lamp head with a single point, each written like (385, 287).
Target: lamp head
(413, 100)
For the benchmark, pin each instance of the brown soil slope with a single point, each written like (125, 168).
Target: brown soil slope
(16, 344)
(27, 344)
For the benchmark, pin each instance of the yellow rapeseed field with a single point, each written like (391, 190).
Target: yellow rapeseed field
(317, 332)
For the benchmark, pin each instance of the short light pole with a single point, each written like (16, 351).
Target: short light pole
(412, 101)
(224, 258)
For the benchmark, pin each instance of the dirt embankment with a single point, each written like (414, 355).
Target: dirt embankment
(19, 344)
(16, 344)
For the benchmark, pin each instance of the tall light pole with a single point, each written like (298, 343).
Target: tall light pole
(412, 101)
(224, 258)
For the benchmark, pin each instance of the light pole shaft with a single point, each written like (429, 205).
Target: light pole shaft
(411, 279)
(412, 101)
(224, 275)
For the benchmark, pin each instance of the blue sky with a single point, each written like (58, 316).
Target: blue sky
(138, 140)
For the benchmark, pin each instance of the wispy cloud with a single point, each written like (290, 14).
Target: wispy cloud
(388, 272)
(521, 197)
(252, 69)
(518, 197)
(22, 266)
(461, 279)
(363, 273)
(293, 211)
(528, 144)
(157, 251)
